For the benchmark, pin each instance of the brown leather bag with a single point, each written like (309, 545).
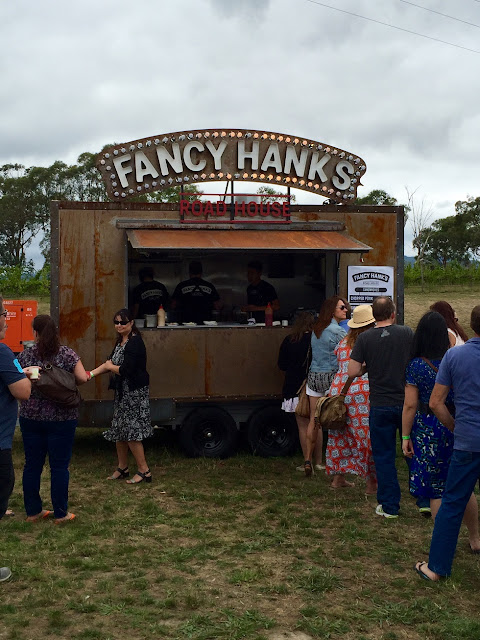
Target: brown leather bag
(331, 412)
(303, 407)
(59, 386)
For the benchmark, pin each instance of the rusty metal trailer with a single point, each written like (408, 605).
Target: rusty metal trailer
(208, 382)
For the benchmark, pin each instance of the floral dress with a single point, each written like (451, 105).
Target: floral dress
(131, 409)
(432, 442)
(350, 451)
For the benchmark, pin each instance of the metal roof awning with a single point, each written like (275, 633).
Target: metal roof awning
(244, 239)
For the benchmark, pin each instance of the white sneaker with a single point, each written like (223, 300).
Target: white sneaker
(5, 574)
(301, 468)
(380, 512)
(320, 467)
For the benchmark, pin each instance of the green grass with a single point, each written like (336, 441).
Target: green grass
(239, 548)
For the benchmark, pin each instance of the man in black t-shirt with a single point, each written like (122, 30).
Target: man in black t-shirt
(385, 350)
(259, 292)
(195, 298)
(148, 295)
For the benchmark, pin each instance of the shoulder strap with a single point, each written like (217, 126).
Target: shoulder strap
(430, 364)
(346, 386)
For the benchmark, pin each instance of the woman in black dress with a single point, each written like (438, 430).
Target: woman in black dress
(293, 359)
(131, 422)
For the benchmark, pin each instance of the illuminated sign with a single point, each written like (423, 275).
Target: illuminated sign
(249, 209)
(208, 155)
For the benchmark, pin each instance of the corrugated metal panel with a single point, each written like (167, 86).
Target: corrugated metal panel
(241, 239)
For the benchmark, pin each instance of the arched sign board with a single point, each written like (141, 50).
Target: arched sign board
(207, 155)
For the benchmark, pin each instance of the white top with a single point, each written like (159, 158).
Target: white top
(458, 339)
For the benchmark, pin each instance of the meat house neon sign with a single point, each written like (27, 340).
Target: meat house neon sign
(209, 155)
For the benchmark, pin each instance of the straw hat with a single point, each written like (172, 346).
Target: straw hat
(361, 316)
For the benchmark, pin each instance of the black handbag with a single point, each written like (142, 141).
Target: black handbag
(59, 386)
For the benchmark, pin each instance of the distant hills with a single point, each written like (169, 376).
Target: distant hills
(409, 259)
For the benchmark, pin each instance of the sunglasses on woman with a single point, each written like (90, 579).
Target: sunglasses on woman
(122, 322)
(342, 307)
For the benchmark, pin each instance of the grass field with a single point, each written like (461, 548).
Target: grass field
(228, 549)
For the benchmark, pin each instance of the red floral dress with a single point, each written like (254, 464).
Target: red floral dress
(350, 451)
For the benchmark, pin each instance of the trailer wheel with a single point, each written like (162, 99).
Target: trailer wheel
(272, 433)
(210, 432)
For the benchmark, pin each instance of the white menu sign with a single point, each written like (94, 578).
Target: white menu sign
(367, 283)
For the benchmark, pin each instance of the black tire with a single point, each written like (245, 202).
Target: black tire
(209, 432)
(272, 433)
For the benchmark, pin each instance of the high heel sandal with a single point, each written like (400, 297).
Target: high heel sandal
(124, 473)
(143, 477)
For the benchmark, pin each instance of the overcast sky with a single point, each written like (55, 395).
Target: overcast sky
(79, 75)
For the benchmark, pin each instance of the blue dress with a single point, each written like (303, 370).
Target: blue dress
(432, 442)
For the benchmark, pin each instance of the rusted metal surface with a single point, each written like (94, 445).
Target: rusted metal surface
(244, 240)
(89, 276)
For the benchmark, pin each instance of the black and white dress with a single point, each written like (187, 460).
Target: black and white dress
(131, 408)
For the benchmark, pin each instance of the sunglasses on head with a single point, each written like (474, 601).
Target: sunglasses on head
(122, 322)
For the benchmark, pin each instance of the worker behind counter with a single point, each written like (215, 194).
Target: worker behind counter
(259, 292)
(148, 295)
(195, 298)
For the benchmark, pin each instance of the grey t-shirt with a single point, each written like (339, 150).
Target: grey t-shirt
(386, 352)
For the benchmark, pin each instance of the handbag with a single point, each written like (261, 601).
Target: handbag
(331, 412)
(303, 407)
(59, 386)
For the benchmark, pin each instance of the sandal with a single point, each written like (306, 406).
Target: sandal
(307, 467)
(123, 473)
(40, 516)
(68, 518)
(143, 476)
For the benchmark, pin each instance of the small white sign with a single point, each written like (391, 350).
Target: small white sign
(367, 283)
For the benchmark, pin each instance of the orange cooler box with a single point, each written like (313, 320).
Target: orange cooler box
(19, 321)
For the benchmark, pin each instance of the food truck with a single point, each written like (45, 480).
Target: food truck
(210, 382)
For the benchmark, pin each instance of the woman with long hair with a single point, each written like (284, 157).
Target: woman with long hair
(325, 337)
(424, 439)
(293, 359)
(48, 428)
(131, 422)
(456, 334)
(350, 451)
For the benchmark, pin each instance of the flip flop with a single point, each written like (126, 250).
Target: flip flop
(68, 518)
(475, 551)
(41, 516)
(420, 572)
(8, 514)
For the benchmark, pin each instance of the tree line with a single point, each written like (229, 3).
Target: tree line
(26, 193)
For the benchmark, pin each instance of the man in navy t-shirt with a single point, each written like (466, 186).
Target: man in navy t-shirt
(259, 292)
(459, 370)
(195, 298)
(14, 385)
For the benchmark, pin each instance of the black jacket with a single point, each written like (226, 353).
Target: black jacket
(293, 359)
(134, 365)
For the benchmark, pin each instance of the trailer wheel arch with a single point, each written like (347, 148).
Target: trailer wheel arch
(208, 432)
(271, 432)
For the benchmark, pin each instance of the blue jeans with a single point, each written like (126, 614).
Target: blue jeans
(7, 479)
(463, 474)
(384, 425)
(39, 438)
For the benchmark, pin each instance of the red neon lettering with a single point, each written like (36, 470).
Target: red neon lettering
(184, 208)
(240, 208)
(276, 211)
(208, 211)
(285, 210)
(265, 210)
(221, 209)
(252, 212)
(197, 208)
